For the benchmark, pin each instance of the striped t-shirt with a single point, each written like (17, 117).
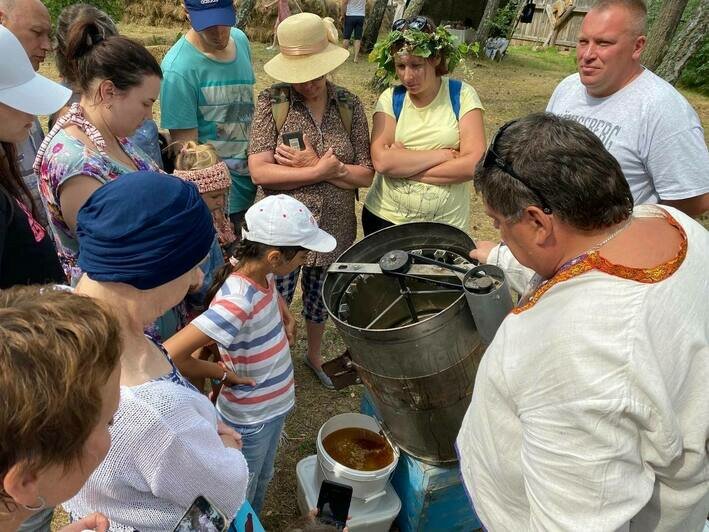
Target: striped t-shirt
(245, 321)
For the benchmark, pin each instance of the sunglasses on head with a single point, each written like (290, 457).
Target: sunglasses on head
(493, 159)
(418, 23)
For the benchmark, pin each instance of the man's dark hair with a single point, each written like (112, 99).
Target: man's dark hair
(579, 180)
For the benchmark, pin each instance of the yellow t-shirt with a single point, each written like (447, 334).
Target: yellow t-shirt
(424, 128)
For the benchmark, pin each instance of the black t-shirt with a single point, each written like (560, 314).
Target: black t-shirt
(27, 253)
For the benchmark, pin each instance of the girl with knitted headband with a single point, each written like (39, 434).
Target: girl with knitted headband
(200, 164)
(427, 132)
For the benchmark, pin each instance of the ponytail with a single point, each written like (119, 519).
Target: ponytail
(91, 55)
(70, 16)
(220, 277)
(245, 250)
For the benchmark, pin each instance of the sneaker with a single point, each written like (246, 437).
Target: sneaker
(324, 379)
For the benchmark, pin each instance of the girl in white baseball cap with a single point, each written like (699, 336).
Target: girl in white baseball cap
(253, 329)
(27, 254)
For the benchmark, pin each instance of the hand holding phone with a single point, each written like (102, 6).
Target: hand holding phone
(334, 503)
(202, 516)
(294, 140)
(295, 151)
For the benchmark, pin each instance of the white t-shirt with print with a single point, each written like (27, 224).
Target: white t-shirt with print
(355, 8)
(651, 130)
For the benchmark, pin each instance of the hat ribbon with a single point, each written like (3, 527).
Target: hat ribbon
(304, 49)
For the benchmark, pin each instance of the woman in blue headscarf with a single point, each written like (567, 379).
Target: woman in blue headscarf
(141, 240)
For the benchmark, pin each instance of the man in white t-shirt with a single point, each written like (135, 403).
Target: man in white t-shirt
(353, 14)
(645, 123)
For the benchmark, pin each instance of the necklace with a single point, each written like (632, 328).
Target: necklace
(594, 248)
(610, 237)
(538, 281)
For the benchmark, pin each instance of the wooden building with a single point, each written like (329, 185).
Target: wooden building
(540, 29)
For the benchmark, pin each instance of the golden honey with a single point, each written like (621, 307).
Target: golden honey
(359, 448)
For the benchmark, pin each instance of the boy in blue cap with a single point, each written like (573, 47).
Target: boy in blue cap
(207, 92)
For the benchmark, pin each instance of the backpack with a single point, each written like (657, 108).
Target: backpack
(280, 105)
(454, 87)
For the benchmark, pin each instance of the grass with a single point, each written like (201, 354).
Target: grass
(519, 85)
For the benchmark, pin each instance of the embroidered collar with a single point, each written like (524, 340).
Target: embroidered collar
(594, 261)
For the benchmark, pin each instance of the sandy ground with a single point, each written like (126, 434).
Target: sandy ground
(521, 84)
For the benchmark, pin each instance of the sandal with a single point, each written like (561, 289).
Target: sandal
(324, 379)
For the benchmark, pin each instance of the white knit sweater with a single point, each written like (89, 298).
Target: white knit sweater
(165, 452)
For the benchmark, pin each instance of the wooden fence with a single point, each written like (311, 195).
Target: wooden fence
(539, 29)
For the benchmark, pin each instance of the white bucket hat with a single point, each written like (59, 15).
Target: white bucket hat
(20, 86)
(308, 49)
(282, 220)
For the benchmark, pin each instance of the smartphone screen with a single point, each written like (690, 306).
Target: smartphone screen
(294, 140)
(334, 503)
(202, 516)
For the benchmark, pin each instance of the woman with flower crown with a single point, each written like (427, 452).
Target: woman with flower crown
(427, 134)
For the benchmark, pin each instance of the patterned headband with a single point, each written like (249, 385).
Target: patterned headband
(215, 177)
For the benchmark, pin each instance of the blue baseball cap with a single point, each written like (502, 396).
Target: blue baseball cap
(207, 13)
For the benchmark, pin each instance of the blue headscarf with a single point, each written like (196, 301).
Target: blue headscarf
(143, 229)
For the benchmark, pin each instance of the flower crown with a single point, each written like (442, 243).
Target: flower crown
(421, 44)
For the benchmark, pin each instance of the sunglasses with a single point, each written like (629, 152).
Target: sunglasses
(418, 23)
(493, 159)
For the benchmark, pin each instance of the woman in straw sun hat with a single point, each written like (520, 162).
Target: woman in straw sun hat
(325, 158)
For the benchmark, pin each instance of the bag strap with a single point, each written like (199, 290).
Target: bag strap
(454, 88)
(397, 100)
(346, 107)
(280, 104)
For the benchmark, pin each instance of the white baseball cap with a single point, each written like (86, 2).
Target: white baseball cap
(20, 86)
(281, 220)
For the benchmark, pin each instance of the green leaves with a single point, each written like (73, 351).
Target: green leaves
(113, 7)
(418, 43)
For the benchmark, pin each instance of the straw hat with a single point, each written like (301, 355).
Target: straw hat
(307, 49)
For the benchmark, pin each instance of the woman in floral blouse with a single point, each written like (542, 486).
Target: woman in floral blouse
(333, 163)
(87, 147)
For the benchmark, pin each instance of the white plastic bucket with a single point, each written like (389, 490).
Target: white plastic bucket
(366, 485)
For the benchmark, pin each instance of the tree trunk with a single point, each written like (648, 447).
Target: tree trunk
(373, 24)
(484, 28)
(660, 36)
(245, 9)
(685, 44)
(415, 7)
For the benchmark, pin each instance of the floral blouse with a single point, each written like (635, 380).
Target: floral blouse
(66, 157)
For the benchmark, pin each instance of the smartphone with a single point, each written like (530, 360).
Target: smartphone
(294, 140)
(334, 503)
(202, 516)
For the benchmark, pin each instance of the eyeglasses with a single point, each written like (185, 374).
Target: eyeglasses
(493, 159)
(418, 23)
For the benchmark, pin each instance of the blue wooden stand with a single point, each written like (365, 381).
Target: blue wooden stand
(433, 498)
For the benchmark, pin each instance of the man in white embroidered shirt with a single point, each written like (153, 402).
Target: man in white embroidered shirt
(589, 410)
(646, 124)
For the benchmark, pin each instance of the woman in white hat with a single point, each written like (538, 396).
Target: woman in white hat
(27, 254)
(310, 140)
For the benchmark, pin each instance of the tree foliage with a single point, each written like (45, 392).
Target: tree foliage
(113, 7)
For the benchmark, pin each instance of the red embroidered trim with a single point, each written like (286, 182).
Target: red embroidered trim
(595, 262)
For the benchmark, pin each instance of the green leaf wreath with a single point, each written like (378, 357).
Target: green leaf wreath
(418, 43)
